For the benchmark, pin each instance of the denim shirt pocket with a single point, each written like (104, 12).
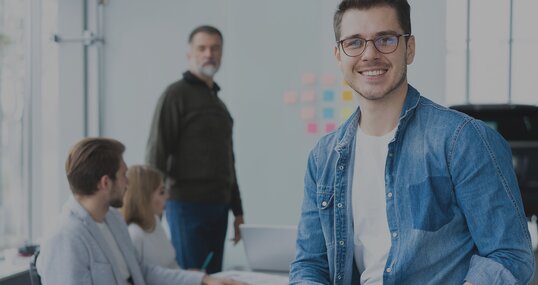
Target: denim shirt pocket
(431, 203)
(325, 205)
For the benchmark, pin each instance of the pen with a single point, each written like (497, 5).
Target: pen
(207, 260)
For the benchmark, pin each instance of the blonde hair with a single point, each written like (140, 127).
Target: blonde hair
(143, 182)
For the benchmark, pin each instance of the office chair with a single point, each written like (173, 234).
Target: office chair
(35, 279)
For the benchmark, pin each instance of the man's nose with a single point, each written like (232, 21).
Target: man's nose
(208, 53)
(370, 51)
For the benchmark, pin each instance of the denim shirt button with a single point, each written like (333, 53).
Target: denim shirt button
(324, 203)
(340, 205)
(339, 277)
(389, 195)
(341, 167)
(394, 234)
(341, 242)
(390, 154)
(389, 270)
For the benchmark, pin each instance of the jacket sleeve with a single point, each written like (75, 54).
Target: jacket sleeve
(64, 260)
(165, 131)
(488, 194)
(311, 264)
(156, 275)
(236, 204)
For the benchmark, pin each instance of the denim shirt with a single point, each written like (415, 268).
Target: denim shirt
(453, 205)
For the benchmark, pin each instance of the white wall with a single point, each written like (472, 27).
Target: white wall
(267, 46)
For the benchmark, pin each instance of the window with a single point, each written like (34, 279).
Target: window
(13, 92)
(491, 51)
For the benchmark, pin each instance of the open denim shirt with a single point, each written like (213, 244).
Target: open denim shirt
(453, 205)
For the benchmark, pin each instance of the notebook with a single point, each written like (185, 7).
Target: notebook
(269, 247)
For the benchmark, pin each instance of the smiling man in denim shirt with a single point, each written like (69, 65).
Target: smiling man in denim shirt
(406, 191)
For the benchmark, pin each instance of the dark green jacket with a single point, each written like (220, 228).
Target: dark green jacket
(191, 143)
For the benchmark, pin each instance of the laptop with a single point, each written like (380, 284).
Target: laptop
(269, 247)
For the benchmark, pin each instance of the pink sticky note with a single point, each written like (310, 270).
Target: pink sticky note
(308, 113)
(289, 97)
(328, 80)
(308, 78)
(329, 127)
(308, 96)
(312, 128)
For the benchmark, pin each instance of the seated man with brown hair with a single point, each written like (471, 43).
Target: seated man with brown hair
(92, 244)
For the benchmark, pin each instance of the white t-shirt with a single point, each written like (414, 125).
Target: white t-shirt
(153, 247)
(118, 256)
(372, 236)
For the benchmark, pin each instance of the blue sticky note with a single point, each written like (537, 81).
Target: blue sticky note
(328, 113)
(328, 95)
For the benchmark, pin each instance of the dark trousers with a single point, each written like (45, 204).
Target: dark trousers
(196, 230)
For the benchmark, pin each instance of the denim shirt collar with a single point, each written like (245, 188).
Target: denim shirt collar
(347, 133)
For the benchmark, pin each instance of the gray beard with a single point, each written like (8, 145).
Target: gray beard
(208, 70)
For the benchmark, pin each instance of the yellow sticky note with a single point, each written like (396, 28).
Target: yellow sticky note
(347, 95)
(345, 113)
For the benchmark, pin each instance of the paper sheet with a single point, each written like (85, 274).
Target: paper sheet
(254, 278)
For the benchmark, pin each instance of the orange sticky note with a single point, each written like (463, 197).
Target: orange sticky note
(289, 97)
(308, 96)
(308, 113)
(308, 78)
(328, 80)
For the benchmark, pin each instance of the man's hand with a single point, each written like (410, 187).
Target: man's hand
(237, 221)
(467, 283)
(208, 280)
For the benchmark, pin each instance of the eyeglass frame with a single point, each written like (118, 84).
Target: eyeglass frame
(340, 43)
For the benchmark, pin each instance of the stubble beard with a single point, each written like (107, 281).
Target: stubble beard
(374, 97)
(117, 200)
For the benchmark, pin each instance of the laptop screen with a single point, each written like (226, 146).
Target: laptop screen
(269, 247)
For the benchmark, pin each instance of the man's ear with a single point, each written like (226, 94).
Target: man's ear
(337, 55)
(410, 49)
(103, 183)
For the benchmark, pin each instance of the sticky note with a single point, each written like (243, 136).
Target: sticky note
(289, 97)
(308, 113)
(347, 95)
(308, 96)
(312, 128)
(328, 80)
(344, 83)
(345, 113)
(328, 113)
(328, 95)
(308, 78)
(329, 127)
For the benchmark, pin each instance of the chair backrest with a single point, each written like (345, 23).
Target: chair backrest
(35, 279)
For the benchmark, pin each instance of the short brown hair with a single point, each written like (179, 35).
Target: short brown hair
(91, 159)
(143, 182)
(403, 11)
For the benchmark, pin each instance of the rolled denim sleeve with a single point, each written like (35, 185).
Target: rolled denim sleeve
(487, 191)
(311, 265)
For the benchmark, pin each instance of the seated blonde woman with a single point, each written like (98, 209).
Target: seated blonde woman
(143, 204)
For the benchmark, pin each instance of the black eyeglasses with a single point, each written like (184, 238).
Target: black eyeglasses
(385, 44)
